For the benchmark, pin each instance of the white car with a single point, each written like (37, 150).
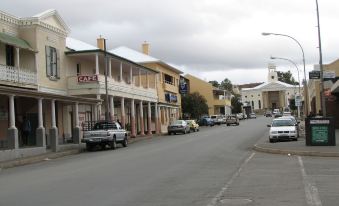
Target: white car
(283, 129)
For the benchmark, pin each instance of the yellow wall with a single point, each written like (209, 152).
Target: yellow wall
(206, 90)
(163, 87)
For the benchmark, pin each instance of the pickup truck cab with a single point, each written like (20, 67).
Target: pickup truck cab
(105, 133)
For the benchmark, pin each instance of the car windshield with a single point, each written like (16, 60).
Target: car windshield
(282, 123)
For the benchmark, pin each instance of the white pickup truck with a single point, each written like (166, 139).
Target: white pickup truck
(105, 133)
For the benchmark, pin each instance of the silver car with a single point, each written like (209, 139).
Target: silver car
(178, 126)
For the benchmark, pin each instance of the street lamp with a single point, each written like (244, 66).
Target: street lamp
(298, 76)
(302, 50)
(322, 96)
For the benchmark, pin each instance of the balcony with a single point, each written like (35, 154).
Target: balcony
(95, 84)
(17, 76)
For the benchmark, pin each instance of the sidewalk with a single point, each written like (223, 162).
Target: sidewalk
(53, 155)
(298, 147)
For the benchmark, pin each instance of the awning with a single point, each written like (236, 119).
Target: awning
(14, 41)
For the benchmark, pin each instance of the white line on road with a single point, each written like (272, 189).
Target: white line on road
(217, 198)
(311, 191)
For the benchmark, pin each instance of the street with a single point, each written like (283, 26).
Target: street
(215, 166)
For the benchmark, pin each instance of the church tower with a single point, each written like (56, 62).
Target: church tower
(272, 73)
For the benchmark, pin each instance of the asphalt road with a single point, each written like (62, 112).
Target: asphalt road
(215, 166)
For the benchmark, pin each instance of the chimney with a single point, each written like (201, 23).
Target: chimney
(101, 43)
(145, 48)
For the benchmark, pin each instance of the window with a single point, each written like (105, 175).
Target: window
(168, 79)
(78, 69)
(253, 104)
(52, 63)
(245, 96)
(9, 55)
(259, 103)
(272, 77)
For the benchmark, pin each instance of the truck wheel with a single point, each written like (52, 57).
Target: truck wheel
(113, 144)
(89, 147)
(125, 142)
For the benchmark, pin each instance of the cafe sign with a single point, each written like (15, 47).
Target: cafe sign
(87, 78)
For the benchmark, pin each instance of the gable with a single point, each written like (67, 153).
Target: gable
(274, 86)
(52, 17)
(53, 21)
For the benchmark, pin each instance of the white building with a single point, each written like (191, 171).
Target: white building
(272, 94)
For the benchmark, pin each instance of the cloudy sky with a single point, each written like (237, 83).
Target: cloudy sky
(211, 39)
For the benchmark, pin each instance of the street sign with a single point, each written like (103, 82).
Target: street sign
(329, 74)
(314, 75)
(298, 100)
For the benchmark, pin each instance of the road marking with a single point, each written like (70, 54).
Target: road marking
(218, 197)
(311, 191)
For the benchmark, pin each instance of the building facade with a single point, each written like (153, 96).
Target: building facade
(218, 101)
(33, 86)
(270, 95)
(167, 84)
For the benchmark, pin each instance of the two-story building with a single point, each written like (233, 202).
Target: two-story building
(167, 84)
(131, 87)
(33, 86)
(218, 101)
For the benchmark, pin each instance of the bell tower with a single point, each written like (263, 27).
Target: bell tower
(272, 73)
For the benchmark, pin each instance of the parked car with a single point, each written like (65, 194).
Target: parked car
(295, 122)
(193, 125)
(206, 121)
(287, 113)
(240, 116)
(232, 119)
(277, 114)
(105, 133)
(282, 129)
(178, 126)
(253, 115)
(218, 119)
(268, 114)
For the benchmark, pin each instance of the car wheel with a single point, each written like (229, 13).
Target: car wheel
(113, 144)
(189, 131)
(169, 133)
(228, 124)
(271, 141)
(125, 142)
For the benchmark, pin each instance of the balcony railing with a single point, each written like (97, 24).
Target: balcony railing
(17, 75)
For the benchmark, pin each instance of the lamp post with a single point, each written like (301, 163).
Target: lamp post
(302, 50)
(298, 76)
(323, 106)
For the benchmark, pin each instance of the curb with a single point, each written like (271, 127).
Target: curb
(36, 159)
(295, 152)
(47, 156)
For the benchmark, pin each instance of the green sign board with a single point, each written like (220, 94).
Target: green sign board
(319, 134)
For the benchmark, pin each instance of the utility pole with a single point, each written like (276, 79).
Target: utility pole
(106, 87)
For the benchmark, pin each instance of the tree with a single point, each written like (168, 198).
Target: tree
(226, 84)
(194, 105)
(286, 77)
(214, 83)
(236, 103)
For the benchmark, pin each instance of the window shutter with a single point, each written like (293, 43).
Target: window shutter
(48, 61)
(58, 63)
